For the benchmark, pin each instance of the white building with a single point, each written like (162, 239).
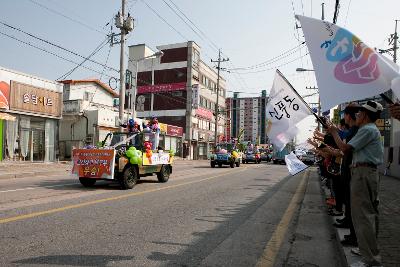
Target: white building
(88, 114)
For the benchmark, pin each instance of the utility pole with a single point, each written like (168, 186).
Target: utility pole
(395, 37)
(323, 11)
(217, 104)
(125, 25)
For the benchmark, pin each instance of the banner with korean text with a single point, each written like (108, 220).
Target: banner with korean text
(345, 67)
(285, 109)
(93, 163)
(293, 164)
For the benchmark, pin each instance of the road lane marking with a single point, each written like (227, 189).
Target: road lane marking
(84, 204)
(36, 187)
(267, 259)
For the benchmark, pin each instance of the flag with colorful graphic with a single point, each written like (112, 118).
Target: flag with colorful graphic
(284, 110)
(345, 67)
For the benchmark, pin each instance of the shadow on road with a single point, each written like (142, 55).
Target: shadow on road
(76, 260)
(228, 220)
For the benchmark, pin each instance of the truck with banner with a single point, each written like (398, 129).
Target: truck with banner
(122, 157)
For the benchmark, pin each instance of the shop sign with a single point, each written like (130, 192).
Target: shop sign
(174, 130)
(163, 127)
(93, 163)
(170, 87)
(195, 96)
(157, 159)
(4, 94)
(205, 113)
(24, 97)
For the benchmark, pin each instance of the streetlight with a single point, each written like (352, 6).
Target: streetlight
(319, 101)
(157, 54)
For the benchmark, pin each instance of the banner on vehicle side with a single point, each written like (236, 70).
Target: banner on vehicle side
(94, 163)
(157, 159)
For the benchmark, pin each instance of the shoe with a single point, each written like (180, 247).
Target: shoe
(341, 225)
(349, 242)
(356, 251)
(341, 220)
(335, 213)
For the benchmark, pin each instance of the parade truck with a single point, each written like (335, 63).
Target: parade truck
(224, 154)
(124, 158)
(278, 156)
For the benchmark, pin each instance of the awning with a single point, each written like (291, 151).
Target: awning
(6, 116)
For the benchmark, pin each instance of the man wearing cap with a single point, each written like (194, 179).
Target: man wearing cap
(367, 150)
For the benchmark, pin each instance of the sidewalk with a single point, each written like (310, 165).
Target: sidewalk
(389, 224)
(21, 169)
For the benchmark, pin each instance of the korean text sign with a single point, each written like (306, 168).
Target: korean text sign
(94, 163)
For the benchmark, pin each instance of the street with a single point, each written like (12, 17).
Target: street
(202, 216)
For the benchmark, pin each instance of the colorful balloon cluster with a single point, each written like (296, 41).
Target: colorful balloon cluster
(147, 148)
(134, 155)
(235, 154)
(171, 153)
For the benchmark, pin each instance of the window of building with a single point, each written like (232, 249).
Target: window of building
(88, 96)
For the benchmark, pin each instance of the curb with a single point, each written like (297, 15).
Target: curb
(14, 175)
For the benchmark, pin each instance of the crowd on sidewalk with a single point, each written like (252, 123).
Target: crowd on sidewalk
(350, 155)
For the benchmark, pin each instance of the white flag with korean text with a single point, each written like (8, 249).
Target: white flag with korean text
(284, 110)
(345, 67)
(293, 164)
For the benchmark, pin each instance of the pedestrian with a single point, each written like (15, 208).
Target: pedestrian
(345, 177)
(367, 150)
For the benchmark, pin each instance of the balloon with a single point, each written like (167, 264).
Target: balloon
(130, 153)
(133, 160)
(235, 154)
(132, 148)
(171, 152)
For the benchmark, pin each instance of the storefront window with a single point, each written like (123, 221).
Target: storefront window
(12, 139)
(50, 134)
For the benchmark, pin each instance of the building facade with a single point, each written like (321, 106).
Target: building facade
(88, 114)
(249, 114)
(30, 110)
(180, 89)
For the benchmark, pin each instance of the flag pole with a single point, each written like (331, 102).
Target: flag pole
(302, 99)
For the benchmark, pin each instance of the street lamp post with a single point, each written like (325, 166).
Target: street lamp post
(157, 54)
(319, 100)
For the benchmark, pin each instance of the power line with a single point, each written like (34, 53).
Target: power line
(347, 13)
(158, 15)
(97, 49)
(51, 53)
(274, 59)
(284, 64)
(67, 17)
(55, 45)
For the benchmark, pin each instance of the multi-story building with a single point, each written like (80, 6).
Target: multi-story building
(249, 114)
(180, 89)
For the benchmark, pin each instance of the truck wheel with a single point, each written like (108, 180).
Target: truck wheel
(237, 164)
(232, 164)
(87, 182)
(220, 165)
(212, 164)
(163, 175)
(129, 178)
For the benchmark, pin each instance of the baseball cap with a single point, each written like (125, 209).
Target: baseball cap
(352, 108)
(372, 106)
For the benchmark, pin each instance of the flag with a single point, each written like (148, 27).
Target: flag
(284, 110)
(345, 67)
(293, 164)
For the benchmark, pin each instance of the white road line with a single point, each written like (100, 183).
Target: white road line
(37, 187)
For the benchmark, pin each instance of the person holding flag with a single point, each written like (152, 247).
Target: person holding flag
(367, 150)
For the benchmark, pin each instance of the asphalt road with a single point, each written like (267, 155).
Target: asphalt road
(201, 216)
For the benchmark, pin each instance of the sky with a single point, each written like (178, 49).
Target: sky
(258, 36)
